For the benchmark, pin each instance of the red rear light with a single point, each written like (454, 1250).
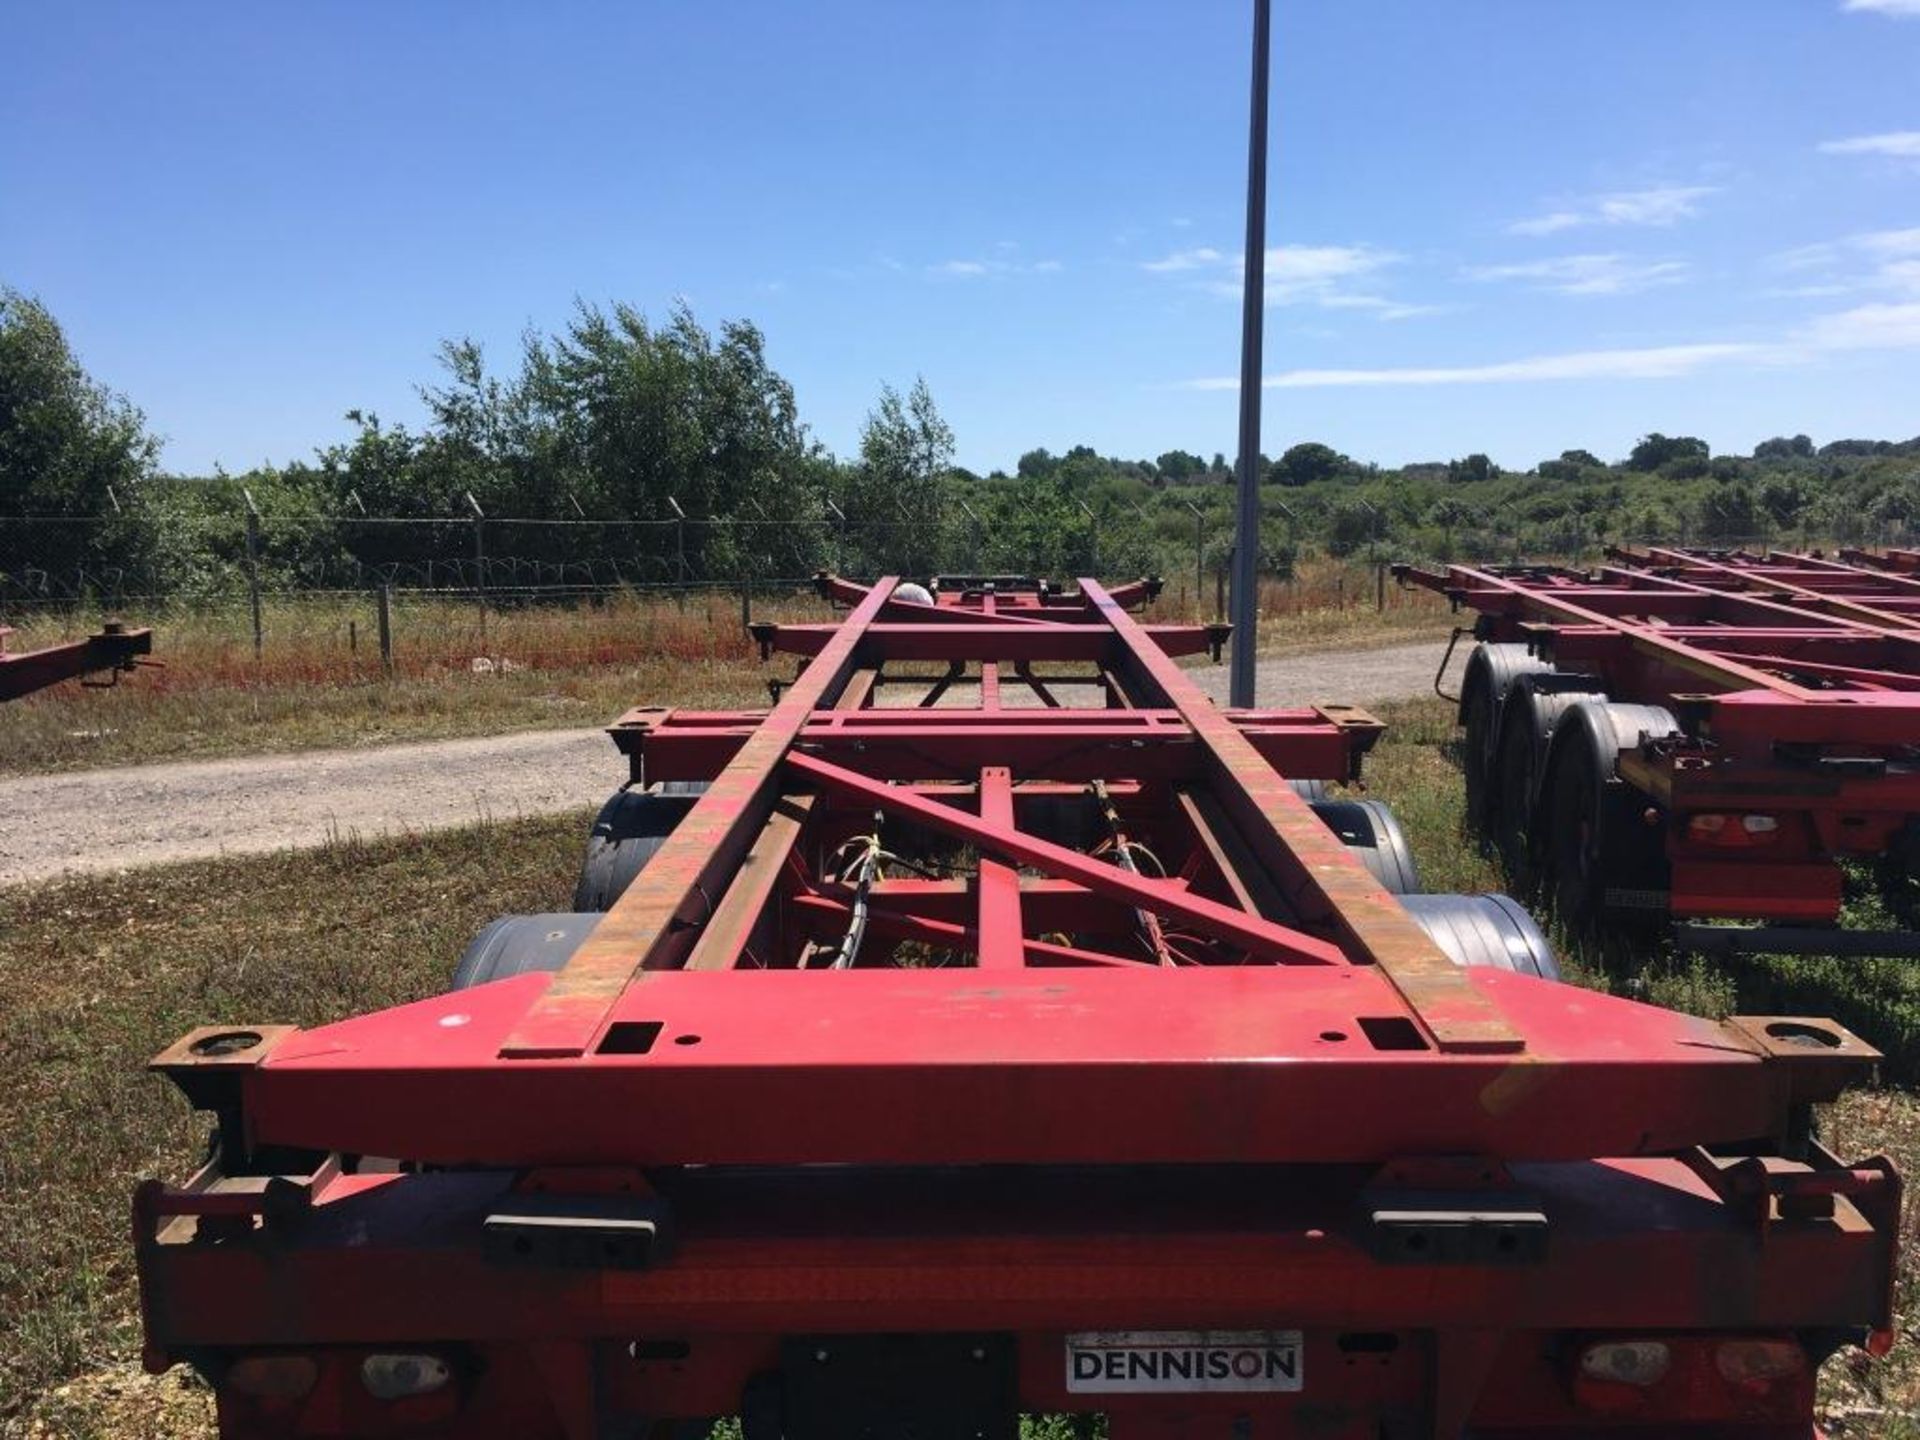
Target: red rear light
(1758, 1362)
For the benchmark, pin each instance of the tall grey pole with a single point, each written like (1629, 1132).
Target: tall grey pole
(1246, 550)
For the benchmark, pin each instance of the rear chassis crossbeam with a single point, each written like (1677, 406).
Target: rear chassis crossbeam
(892, 1035)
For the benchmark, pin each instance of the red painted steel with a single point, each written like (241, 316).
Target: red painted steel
(1022, 1021)
(112, 651)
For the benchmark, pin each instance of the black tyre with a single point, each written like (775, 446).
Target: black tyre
(1489, 931)
(1604, 860)
(521, 945)
(628, 830)
(1533, 708)
(1491, 671)
(1370, 831)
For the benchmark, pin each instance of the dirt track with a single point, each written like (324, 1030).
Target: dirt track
(99, 820)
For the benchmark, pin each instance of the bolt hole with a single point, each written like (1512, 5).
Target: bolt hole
(227, 1042)
(686, 1039)
(1333, 1035)
(1811, 1037)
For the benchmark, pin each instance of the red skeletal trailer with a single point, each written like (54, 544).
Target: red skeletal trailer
(1702, 735)
(938, 1062)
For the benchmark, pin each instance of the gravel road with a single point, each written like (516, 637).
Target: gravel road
(105, 820)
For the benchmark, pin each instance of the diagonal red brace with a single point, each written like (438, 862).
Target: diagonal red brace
(1257, 936)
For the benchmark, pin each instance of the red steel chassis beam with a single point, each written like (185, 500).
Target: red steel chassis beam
(828, 1121)
(114, 649)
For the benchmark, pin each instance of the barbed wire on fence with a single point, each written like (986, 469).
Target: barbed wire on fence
(519, 559)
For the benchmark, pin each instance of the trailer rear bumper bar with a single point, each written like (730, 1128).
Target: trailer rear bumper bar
(1041, 1268)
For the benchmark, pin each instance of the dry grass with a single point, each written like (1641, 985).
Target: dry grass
(99, 974)
(539, 667)
(320, 681)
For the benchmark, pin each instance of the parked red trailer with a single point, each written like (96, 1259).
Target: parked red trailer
(994, 1025)
(1695, 735)
(113, 650)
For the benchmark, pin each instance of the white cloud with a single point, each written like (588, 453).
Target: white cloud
(1588, 274)
(1663, 362)
(1332, 277)
(1661, 205)
(1200, 259)
(1895, 144)
(1874, 260)
(1879, 326)
(1551, 223)
(982, 269)
(1885, 7)
(1867, 327)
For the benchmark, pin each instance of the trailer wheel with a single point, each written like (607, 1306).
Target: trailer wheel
(628, 830)
(1533, 709)
(1597, 840)
(1491, 671)
(1485, 931)
(1370, 831)
(1312, 791)
(521, 945)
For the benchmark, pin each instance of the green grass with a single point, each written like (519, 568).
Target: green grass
(97, 974)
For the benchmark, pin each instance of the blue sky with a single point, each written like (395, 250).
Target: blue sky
(1503, 225)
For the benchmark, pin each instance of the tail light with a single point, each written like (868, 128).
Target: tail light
(1758, 1362)
(1693, 1378)
(1627, 1362)
(272, 1377)
(397, 1377)
(1732, 832)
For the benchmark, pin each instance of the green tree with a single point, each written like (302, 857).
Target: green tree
(906, 452)
(1308, 463)
(1657, 451)
(1800, 447)
(69, 448)
(1180, 466)
(1473, 469)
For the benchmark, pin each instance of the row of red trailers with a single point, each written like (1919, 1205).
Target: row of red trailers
(1693, 737)
(992, 1026)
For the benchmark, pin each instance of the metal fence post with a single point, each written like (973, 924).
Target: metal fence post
(1199, 553)
(680, 546)
(839, 538)
(386, 626)
(253, 572)
(479, 564)
(974, 562)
